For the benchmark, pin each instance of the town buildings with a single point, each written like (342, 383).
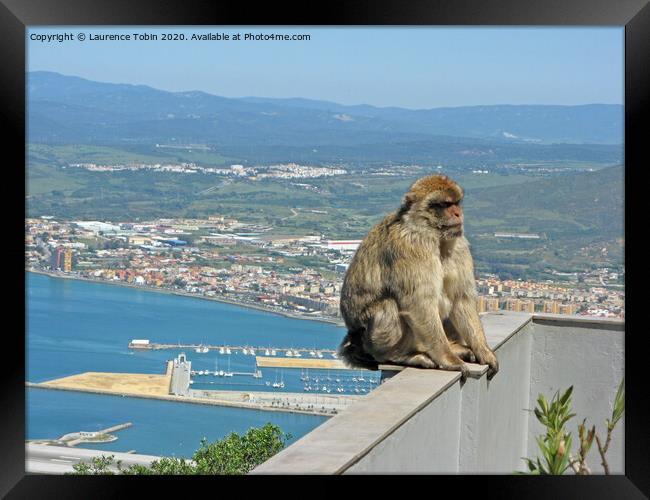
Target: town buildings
(224, 259)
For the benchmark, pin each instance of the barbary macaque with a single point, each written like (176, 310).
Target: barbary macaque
(409, 296)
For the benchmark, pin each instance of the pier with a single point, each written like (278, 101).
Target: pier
(255, 374)
(295, 352)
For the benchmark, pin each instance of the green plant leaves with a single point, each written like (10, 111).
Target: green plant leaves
(565, 397)
(619, 404)
(555, 445)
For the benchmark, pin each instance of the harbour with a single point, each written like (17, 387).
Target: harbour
(79, 328)
(177, 382)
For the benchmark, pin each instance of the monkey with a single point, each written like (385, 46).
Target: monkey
(409, 294)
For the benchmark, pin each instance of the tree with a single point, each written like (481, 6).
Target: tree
(233, 454)
(240, 454)
(97, 466)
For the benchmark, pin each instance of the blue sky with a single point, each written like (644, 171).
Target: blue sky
(411, 67)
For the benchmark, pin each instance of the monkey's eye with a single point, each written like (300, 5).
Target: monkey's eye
(440, 205)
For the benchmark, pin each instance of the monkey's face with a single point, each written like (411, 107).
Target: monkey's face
(435, 201)
(446, 215)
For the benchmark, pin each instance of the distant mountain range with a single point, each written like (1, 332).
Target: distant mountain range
(67, 109)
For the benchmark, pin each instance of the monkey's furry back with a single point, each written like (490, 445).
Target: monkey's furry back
(365, 273)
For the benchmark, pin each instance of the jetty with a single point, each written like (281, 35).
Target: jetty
(74, 438)
(145, 344)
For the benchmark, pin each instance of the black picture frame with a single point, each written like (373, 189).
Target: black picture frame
(17, 15)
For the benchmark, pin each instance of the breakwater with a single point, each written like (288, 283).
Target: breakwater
(284, 402)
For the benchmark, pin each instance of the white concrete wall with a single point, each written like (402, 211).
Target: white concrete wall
(494, 432)
(426, 443)
(589, 356)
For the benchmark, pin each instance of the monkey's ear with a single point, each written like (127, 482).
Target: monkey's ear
(409, 199)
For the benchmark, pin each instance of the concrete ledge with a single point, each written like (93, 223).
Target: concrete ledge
(501, 326)
(591, 322)
(475, 370)
(343, 440)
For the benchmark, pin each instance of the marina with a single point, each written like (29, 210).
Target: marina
(145, 344)
(280, 361)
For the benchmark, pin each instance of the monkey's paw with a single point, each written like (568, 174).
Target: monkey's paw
(487, 357)
(463, 352)
(450, 362)
(462, 368)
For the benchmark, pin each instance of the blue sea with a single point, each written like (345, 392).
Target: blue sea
(76, 326)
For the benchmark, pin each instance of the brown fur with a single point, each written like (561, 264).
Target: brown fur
(440, 186)
(411, 273)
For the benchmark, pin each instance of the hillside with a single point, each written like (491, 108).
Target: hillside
(71, 110)
(579, 218)
(586, 203)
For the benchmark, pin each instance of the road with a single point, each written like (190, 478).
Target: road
(295, 214)
(45, 459)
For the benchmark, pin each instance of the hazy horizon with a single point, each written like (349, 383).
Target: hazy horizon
(189, 90)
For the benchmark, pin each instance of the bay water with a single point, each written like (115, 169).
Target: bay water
(76, 326)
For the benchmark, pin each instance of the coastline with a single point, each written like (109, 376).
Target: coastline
(147, 288)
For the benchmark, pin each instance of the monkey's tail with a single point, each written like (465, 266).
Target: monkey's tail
(354, 354)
